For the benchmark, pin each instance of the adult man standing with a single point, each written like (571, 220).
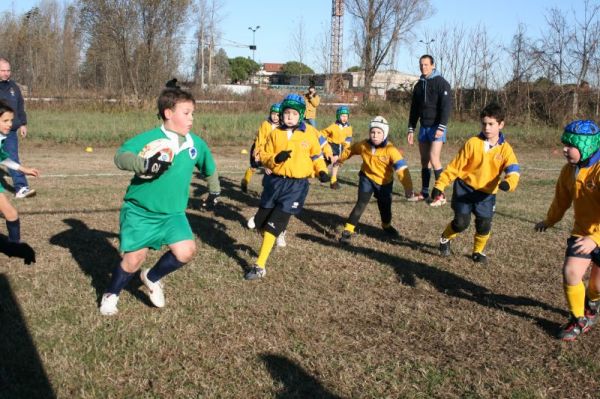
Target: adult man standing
(431, 105)
(312, 102)
(11, 94)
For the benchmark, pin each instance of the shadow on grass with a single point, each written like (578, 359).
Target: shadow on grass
(95, 256)
(22, 373)
(297, 383)
(451, 284)
(17, 250)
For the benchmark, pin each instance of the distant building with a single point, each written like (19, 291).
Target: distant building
(267, 70)
(385, 80)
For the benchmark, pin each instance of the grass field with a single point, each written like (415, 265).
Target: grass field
(378, 319)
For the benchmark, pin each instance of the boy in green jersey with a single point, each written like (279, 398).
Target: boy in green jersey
(153, 212)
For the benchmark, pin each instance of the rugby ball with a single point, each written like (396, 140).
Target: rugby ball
(162, 146)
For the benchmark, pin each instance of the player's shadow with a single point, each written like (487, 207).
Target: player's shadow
(451, 284)
(95, 256)
(326, 223)
(214, 233)
(297, 383)
(22, 373)
(17, 250)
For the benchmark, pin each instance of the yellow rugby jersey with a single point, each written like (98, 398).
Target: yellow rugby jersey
(580, 186)
(305, 157)
(337, 133)
(325, 147)
(481, 166)
(266, 127)
(379, 163)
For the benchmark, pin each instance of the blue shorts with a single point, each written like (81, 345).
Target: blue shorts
(336, 148)
(570, 251)
(284, 193)
(465, 200)
(366, 185)
(427, 134)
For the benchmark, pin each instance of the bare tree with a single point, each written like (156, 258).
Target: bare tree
(321, 49)
(380, 25)
(555, 41)
(207, 37)
(299, 42)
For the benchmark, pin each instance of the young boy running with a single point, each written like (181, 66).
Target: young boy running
(339, 137)
(476, 171)
(265, 128)
(153, 212)
(380, 160)
(579, 184)
(293, 153)
(14, 247)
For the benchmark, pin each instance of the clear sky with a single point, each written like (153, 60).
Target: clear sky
(279, 20)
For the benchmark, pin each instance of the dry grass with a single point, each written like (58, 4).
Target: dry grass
(378, 319)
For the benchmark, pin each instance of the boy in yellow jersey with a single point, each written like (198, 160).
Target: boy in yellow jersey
(293, 154)
(339, 137)
(579, 184)
(380, 160)
(265, 128)
(476, 171)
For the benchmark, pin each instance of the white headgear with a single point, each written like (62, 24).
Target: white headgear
(381, 123)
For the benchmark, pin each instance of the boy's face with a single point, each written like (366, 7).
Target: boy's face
(180, 118)
(425, 66)
(291, 117)
(6, 121)
(275, 117)
(344, 118)
(490, 127)
(376, 135)
(572, 154)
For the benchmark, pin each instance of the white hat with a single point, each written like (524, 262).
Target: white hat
(381, 123)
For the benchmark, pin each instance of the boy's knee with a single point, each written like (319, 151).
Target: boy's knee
(132, 261)
(461, 222)
(185, 253)
(483, 226)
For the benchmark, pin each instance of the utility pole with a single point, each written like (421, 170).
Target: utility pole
(253, 47)
(337, 45)
(427, 43)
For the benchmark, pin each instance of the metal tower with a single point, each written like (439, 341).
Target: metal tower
(337, 44)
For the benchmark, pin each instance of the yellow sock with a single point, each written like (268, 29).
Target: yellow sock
(265, 248)
(592, 293)
(479, 243)
(248, 175)
(349, 227)
(333, 179)
(449, 232)
(575, 298)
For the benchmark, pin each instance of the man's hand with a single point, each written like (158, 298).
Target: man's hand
(23, 131)
(584, 245)
(154, 166)
(540, 226)
(283, 156)
(411, 137)
(439, 134)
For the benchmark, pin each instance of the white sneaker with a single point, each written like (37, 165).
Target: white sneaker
(156, 294)
(108, 305)
(281, 240)
(438, 201)
(25, 192)
(251, 225)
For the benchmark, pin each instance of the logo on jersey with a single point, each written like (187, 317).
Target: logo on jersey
(295, 205)
(12, 92)
(384, 158)
(498, 158)
(590, 185)
(305, 144)
(193, 152)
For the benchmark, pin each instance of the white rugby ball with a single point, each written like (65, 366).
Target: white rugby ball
(162, 146)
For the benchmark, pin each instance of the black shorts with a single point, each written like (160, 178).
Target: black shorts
(254, 164)
(570, 251)
(465, 200)
(381, 191)
(284, 193)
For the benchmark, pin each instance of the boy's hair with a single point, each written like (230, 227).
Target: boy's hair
(169, 97)
(427, 56)
(492, 110)
(4, 107)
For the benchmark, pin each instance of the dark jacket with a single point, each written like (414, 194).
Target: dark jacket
(11, 94)
(431, 102)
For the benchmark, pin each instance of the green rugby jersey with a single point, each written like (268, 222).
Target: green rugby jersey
(169, 193)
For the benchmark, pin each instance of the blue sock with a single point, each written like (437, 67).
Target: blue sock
(437, 173)
(119, 279)
(167, 263)
(425, 177)
(14, 230)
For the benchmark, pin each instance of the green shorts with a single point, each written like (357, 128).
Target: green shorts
(1, 189)
(143, 229)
